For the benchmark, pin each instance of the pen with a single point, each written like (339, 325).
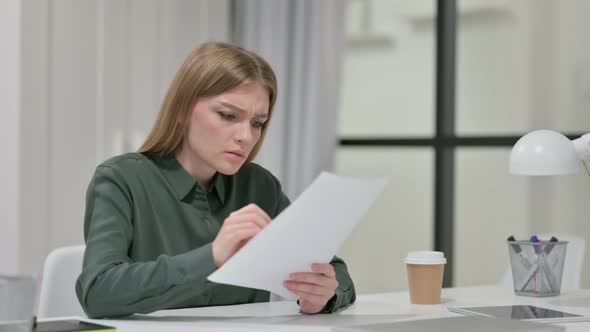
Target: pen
(541, 262)
(553, 260)
(535, 239)
(531, 272)
(530, 268)
(549, 247)
(518, 250)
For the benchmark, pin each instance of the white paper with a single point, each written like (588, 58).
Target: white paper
(310, 230)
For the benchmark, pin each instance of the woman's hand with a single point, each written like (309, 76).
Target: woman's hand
(237, 229)
(315, 288)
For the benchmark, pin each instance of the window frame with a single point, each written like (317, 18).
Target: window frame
(445, 141)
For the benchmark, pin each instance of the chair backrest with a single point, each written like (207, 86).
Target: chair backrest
(58, 295)
(572, 268)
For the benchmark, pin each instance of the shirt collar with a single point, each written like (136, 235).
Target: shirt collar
(219, 185)
(182, 182)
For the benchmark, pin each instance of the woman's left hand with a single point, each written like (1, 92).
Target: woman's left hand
(315, 288)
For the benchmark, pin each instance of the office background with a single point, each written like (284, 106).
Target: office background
(83, 80)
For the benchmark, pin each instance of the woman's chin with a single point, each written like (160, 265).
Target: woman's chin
(229, 169)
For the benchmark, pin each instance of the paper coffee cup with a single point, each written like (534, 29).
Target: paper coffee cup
(425, 276)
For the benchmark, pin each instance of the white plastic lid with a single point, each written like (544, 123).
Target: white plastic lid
(425, 257)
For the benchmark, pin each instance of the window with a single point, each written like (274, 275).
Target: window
(387, 99)
(444, 132)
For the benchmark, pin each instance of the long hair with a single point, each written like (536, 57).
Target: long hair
(210, 69)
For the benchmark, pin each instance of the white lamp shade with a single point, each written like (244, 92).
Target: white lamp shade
(544, 152)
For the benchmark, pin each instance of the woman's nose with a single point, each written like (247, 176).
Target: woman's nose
(244, 134)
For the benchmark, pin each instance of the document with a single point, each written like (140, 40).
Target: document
(310, 230)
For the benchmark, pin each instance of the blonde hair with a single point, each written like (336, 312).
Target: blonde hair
(210, 69)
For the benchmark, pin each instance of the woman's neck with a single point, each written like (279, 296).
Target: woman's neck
(195, 167)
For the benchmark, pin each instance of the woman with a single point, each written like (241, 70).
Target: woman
(159, 221)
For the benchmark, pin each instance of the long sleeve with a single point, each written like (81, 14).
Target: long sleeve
(345, 293)
(111, 284)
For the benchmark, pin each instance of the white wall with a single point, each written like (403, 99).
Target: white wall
(388, 87)
(399, 221)
(34, 136)
(9, 132)
(93, 76)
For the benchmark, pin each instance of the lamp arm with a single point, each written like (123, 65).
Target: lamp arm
(582, 146)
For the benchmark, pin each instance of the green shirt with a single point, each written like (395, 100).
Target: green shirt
(148, 229)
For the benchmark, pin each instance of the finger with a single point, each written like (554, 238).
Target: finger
(249, 218)
(317, 300)
(310, 308)
(325, 269)
(245, 219)
(256, 209)
(241, 233)
(307, 288)
(230, 229)
(263, 216)
(313, 278)
(253, 208)
(259, 213)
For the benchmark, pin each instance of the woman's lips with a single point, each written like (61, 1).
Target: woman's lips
(235, 155)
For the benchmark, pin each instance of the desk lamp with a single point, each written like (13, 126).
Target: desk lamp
(546, 152)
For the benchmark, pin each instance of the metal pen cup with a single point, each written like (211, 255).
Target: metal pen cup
(17, 303)
(537, 267)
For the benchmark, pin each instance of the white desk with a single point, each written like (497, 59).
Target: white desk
(375, 308)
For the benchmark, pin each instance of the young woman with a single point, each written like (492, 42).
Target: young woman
(159, 221)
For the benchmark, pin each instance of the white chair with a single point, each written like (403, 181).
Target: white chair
(58, 295)
(572, 268)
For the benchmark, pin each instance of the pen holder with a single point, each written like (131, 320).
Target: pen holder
(537, 268)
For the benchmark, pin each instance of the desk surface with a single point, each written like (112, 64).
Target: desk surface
(369, 309)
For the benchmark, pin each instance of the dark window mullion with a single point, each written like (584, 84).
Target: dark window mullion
(444, 191)
(478, 141)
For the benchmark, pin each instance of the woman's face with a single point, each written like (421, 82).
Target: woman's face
(223, 129)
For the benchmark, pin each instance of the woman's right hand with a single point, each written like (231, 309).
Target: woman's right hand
(237, 229)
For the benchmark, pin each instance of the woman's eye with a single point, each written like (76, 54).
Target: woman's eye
(257, 124)
(226, 116)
